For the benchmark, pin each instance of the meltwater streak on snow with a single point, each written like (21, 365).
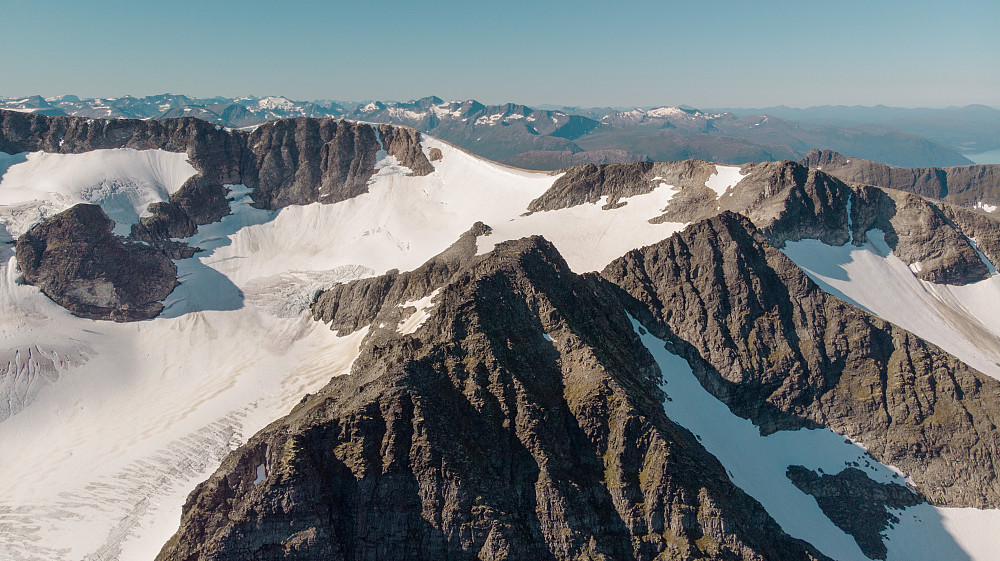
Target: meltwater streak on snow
(122, 181)
(724, 178)
(962, 320)
(588, 237)
(757, 464)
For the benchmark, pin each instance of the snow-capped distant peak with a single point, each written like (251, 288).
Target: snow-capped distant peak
(668, 112)
(275, 102)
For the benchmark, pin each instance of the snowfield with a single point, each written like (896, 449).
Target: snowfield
(122, 181)
(105, 428)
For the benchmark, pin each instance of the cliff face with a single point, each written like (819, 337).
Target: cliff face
(522, 420)
(787, 201)
(286, 162)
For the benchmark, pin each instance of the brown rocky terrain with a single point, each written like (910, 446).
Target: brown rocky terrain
(524, 419)
(855, 503)
(289, 162)
(74, 259)
(789, 202)
(286, 162)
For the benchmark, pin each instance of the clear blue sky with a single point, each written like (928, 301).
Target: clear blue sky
(701, 53)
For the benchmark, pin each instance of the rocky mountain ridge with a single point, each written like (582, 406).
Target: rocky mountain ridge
(968, 186)
(758, 333)
(289, 162)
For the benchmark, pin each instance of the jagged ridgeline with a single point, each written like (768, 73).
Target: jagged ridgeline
(687, 363)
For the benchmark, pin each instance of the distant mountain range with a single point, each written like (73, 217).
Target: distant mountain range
(969, 129)
(553, 138)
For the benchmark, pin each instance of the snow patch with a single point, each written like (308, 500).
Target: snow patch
(757, 464)
(413, 322)
(985, 206)
(724, 178)
(982, 256)
(667, 112)
(261, 475)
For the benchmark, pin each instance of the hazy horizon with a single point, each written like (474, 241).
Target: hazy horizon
(48, 97)
(584, 54)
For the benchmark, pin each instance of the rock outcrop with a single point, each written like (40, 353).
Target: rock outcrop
(786, 201)
(289, 162)
(856, 504)
(521, 421)
(404, 144)
(75, 260)
(351, 306)
(764, 339)
(303, 161)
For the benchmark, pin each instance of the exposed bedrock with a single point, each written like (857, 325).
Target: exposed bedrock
(856, 504)
(959, 185)
(286, 162)
(404, 144)
(74, 259)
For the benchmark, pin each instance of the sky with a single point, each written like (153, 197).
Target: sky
(710, 53)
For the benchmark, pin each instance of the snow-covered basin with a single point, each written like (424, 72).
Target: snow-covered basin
(758, 464)
(123, 181)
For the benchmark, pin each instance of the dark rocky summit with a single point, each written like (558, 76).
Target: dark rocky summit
(764, 339)
(478, 438)
(856, 504)
(351, 306)
(75, 260)
(524, 418)
(588, 183)
(303, 161)
(288, 162)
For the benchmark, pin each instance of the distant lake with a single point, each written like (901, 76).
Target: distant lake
(991, 157)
